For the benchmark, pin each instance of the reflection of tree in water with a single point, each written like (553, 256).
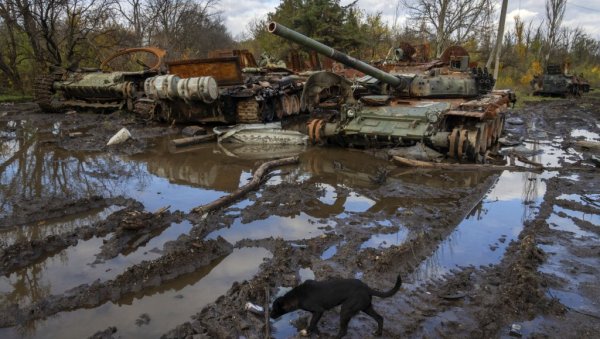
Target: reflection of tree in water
(35, 170)
(38, 171)
(530, 194)
(57, 226)
(27, 285)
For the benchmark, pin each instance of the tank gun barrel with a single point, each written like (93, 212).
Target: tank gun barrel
(289, 34)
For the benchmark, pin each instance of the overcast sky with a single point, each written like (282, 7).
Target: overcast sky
(579, 13)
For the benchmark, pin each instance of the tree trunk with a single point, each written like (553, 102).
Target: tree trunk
(499, 38)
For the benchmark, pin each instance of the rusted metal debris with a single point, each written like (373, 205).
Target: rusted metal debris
(229, 88)
(557, 82)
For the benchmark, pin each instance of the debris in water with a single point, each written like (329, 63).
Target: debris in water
(119, 137)
(191, 131)
(417, 152)
(250, 307)
(515, 121)
(515, 330)
(509, 142)
(271, 133)
(144, 319)
(522, 150)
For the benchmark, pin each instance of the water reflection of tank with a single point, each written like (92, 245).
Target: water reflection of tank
(389, 109)
(204, 167)
(349, 169)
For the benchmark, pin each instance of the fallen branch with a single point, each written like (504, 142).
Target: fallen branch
(461, 167)
(193, 140)
(484, 167)
(252, 185)
(591, 145)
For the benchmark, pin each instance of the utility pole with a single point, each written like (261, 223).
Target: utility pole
(499, 37)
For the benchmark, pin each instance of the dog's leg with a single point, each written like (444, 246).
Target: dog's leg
(314, 320)
(348, 310)
(370, 311)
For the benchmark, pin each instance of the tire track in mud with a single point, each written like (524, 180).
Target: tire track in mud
(181, 256)
(31, 211)
(226, 317)
(184, 257)
(25, 253)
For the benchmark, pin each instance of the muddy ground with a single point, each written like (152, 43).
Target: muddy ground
(100, 240)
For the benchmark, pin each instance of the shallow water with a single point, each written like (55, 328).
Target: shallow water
(167, 305)
(482, 237)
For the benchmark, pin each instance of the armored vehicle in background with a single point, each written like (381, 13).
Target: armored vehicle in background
(229, 88)
(452, 109)
(555, 82)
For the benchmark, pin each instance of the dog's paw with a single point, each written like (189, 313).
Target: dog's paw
(304, 333)
(377, 333)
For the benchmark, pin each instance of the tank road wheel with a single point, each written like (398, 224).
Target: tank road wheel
(315, 127)
(248, 110)
(482, 138)
(489, 126)
(286, 102)
(453, 142)
(499, 127)
(278, 104)
(474, 143)
(295, 104)
(462, 143)
(43, 92)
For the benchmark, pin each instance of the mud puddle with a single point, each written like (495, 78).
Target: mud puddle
(78, 265)
(483, 236)
(300, 227)
(164, 306)
(56, 226)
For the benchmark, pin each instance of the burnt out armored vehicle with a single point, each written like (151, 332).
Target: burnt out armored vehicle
(555, 82)
(218, 89)
(451, 109)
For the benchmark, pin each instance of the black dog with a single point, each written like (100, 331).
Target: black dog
(319, 296)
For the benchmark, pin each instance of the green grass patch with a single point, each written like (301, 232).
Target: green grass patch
(15, 98)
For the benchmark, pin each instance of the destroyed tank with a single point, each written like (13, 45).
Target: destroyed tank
(555, 82)
(215, 89)
(398, 109)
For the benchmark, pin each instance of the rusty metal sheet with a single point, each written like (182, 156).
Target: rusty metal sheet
(246, 57)
(226, 71)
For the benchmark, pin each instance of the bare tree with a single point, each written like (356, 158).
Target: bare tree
(137, 15)
(555, 10)
(451, 19)
(9, 54)
(56, 28)
(187, 27)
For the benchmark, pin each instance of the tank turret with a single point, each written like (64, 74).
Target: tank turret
(387, 109)
(397, 82)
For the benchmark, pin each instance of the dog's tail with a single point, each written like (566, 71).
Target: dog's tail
(390, 292)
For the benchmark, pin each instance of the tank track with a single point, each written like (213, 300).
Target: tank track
(144, 109)
(43, 91)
